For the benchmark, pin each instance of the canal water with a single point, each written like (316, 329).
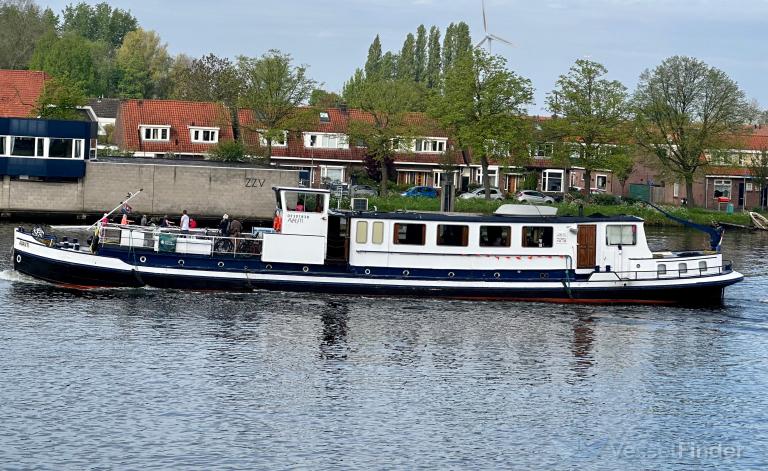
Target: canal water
(151, 379)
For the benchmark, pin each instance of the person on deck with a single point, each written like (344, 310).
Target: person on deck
(235, 228)
(224, 226)
(164, 222)
(184, 223)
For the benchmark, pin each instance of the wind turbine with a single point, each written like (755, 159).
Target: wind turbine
(488, 36)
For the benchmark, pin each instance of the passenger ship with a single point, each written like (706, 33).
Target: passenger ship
(537, 257)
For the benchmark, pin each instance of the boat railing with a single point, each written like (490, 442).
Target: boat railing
(726, 267)
(173, 240)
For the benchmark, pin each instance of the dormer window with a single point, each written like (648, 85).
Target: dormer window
(203, 135)
(431, 145)
(279, 140)
(325, 117)
(154, 133)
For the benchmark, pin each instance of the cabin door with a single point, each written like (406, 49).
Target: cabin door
(586, 244)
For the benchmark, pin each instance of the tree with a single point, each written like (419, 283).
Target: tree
(420, 55)
(685, 108)
(60, 99)
(590, 115)
(373, 63)
(448, 47)
(324, 99)
(274, 89)
(483, 107)
(622, 165)
(433, 60)
(387, 103)
(406, 63)
(98, 23)
(22, 24)
(389, 64)
(70, 57)
(758, 169)
(143, 64)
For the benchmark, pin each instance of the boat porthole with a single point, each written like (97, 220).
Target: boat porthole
(638, 265)
(268, 267)
(143, 259)
(406, 273)
(367, 271)
(451, 274)
(496, 275)
(181, 262)
(220, 264)
(305, 269)
(18, 258)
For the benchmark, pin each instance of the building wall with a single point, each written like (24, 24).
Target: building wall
(168, 189)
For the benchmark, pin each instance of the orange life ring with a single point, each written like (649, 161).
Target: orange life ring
(277, 222)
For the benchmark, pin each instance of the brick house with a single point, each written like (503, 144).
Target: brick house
(171, 128)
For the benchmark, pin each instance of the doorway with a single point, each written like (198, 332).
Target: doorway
(586, 246)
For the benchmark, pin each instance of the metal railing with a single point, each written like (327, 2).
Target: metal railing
(173, 240)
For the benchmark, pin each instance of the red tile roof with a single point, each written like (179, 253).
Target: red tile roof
(19, 91)
(179, 115)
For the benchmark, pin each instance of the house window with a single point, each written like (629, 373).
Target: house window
(676, 190)
(552, 180)
(279, 140)
(722, 188)
(158, 133)
(361, 232)
(204, 135)
(61, 148)
(601, 181)
(430, 145)
(537, 236)
(495, 236)
(748, 186)
(326, 141)
(325, 117)
(23, 146)
(378, 233)
(542, 151)
(410, 234)
(625, 234)
(332, 174)
(452, 235)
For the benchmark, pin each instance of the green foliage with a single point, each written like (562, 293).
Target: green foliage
(143, 64)
(70, 57)
(758, 169)
(324, 99)
(228, 151)
(684, 108)
(60, 99)
(433, 60)
(98, 23)
(209, 78)
(373, 63)
(22, 24)
(420, 55)
(483, 107)
(406, 63)
(591, 115)
(530, 181)
(273, 88)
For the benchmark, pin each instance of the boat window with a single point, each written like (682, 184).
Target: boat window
(537, 236)
(661, 269)
(495, 236)
(410, 234)
(703, 265)
(306, 202)
(361, 232)
(682, 268)
(378, 232)
(624, 234)
(452, 235)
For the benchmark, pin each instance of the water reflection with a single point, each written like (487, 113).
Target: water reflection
(582, 344)
(334, 316)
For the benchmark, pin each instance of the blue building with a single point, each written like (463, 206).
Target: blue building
(45, 148)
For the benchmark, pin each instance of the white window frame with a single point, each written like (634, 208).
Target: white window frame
(275, 143)
(159, 128)
(326, 140)
(722, 182)
(429, 145)
(545, 179)
(324, 171)
(201, 131)
(542, 151)
(78, 148)
(597, 185)
(748, 186)
(676, 190)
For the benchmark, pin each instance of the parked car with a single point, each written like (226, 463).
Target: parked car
(421, 191)
(496, 194)
(357, 191)
(531, 196)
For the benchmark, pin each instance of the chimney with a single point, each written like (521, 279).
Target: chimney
(343, 108)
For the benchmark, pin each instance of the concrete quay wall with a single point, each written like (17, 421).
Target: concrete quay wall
(204, 191)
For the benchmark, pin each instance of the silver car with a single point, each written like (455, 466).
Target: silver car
(480, 193)
(532, 196)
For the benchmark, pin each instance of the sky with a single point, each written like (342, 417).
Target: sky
(332, 36)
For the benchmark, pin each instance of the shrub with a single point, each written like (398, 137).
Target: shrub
(603, 198)
(228, 151)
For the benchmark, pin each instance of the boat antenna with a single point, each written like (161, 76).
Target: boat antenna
(715, 233)
(128, 198)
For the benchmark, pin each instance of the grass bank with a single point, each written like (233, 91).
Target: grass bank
(650, 215)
